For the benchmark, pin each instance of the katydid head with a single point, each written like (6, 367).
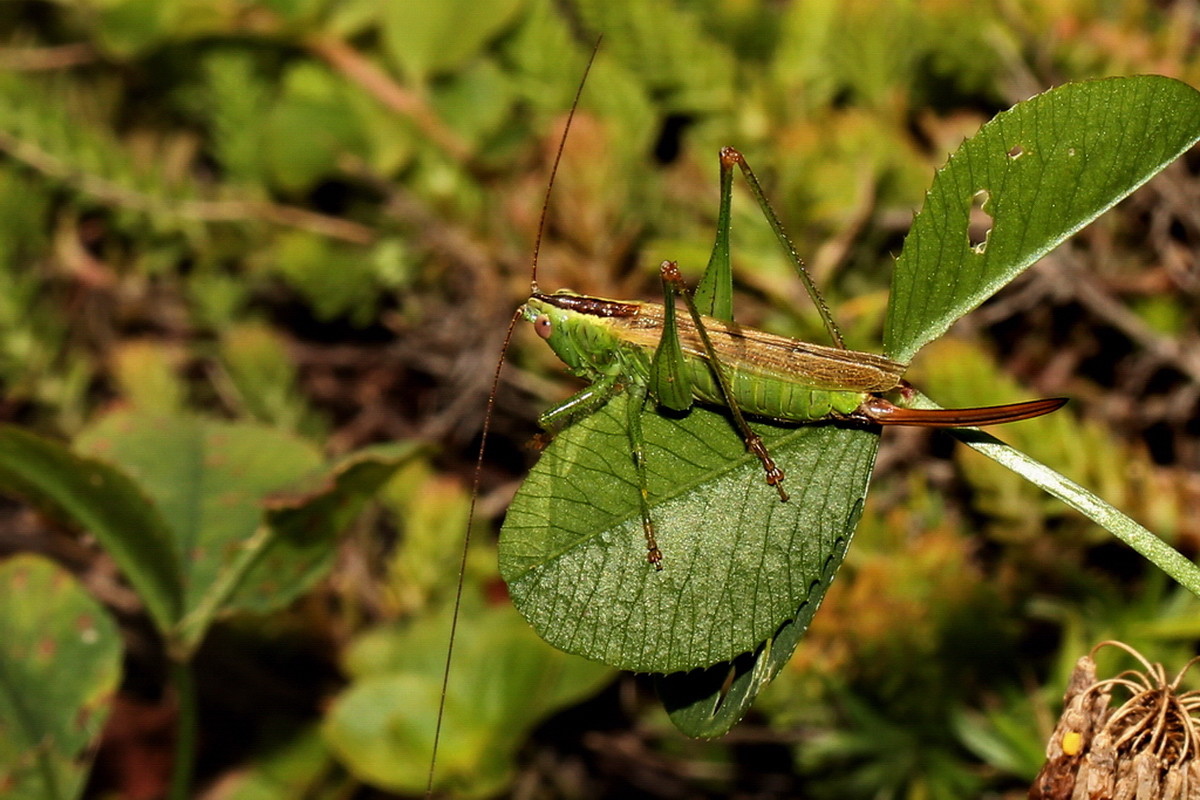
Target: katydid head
(574, 327)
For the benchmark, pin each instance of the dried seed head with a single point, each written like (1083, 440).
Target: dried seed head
(1083, 714)
(1148, 748)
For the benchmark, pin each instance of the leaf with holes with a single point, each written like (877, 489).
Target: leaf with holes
(1040, 171)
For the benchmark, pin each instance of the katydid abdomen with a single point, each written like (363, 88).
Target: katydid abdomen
(769, 396)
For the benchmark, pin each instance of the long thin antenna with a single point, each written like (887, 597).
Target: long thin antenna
(487, 424)
(562, 143)
(466, 548)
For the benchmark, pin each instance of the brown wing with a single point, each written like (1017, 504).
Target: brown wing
(765, 353)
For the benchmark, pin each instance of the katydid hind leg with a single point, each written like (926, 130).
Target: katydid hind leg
(670, 382)
(732, 156)
(714, 292)
(673, 280)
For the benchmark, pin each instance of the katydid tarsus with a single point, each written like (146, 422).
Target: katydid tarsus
(661, 359)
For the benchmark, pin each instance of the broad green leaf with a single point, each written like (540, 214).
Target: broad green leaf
(103, 501)
(1041, 170)
(60, 664)
(247, 533)
(738, 563)
(217, 508)
(505, 680)
(207, 479)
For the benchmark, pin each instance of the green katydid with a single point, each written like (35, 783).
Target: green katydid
(643, 349)
(641, 353)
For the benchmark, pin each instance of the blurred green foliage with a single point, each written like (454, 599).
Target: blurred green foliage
(316, 216)
(61, 666)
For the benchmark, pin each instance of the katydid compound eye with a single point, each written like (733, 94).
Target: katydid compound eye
(543, 326)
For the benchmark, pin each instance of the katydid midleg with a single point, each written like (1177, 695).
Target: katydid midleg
(640, 351)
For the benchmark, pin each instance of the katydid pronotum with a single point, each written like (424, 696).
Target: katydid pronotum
(644, 353)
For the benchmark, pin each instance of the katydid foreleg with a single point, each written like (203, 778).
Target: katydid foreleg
(587, 402)
(637, 449)
(579, 405)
